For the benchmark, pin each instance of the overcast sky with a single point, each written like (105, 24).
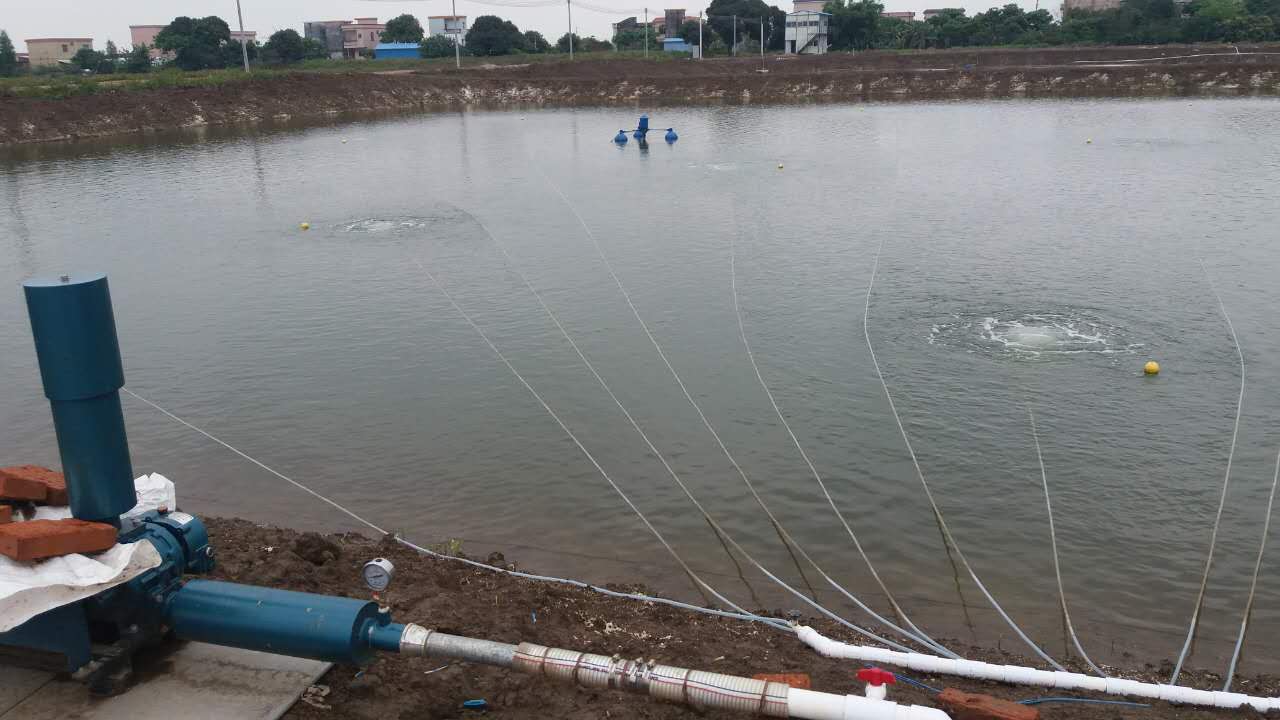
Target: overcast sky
(111, 20)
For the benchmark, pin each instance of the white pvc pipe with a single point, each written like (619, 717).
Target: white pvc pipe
(1017, 675)
(704, 689)
(825, 706)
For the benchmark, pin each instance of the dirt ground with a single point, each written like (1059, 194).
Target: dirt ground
(599, 80)
(456, 598)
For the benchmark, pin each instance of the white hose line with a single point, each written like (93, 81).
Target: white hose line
(1170, 57)
(1053, 540)
(282, 476)
(924, 638)
(787, 539)
(1017, 675)
(861, 631)
(587, 453)
(752, 617)
(937, 512)
(1253, 584)
(1226, 483)
(723, 533)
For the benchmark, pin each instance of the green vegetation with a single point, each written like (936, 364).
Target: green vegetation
(90, 60)
(8, 56)
(491, 35)
(403, 29)
(198, 43)
(535, 43)
(634, 39)
(201, 48)
(286, 47)
(858, 25)
(582, 44)
(437, 46)
(138, 60)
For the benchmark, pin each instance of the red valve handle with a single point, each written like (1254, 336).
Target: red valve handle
(876, 676)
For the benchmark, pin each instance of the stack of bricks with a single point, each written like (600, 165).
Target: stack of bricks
(25, 485)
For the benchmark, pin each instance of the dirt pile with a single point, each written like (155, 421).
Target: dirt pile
(457, 598)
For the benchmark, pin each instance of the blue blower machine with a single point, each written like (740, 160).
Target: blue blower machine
(95, 638)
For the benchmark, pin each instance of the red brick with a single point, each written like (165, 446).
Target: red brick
(795, 680)
(38, 539)
(969, 706)
(19, 488)
(6, 514)
(53, 481)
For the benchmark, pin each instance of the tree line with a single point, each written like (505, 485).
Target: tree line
(859, 25)
(203, 43)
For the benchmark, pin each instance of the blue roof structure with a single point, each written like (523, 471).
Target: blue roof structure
(387, 51)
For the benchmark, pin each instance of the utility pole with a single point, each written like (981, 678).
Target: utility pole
(702, 52)
(646, 33)
(244, 47)
(457, 36)
(569, 4)
(734, 50)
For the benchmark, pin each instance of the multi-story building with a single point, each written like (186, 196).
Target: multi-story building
(46, 52)
(807, 33)
(146, 35)
(328, 33)
(809, 5)
(249, 36)
(346, 38)
(908, 15)
(454, 26)
(934, 12)
(360, 37)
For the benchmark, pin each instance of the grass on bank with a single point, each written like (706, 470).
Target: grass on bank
(58, 86)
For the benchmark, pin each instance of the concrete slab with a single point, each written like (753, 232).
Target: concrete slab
(17, 684)
(195, 681)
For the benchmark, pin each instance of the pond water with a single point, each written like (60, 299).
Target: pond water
(1035, 254)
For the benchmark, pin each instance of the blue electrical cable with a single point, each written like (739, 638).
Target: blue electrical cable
(1091, 701)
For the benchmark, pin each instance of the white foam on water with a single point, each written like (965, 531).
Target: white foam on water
(1032, 334)
(384, 225)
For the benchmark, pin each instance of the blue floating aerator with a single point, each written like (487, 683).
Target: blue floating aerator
(643, 128)
(671, 135)
(621, 137)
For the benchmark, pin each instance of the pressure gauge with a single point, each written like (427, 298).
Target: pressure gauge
(378, 573)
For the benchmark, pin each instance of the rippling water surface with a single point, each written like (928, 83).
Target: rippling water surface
(1021, 268)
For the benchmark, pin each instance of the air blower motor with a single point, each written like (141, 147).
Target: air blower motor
(95, 638)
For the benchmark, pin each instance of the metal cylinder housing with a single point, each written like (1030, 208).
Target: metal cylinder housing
(79, 355)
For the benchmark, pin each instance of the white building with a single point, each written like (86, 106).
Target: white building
(455, 25)
(807, 32)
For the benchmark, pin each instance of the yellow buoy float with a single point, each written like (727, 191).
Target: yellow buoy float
(1151, 368)
(779, 166)
(305, 226)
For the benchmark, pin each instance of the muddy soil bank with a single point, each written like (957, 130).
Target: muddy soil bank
(461, 599)
(865, 77)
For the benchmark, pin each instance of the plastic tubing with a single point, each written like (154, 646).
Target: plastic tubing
(1017, 675)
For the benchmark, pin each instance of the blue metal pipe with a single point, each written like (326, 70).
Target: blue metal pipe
(281, 621)
(79, 355)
